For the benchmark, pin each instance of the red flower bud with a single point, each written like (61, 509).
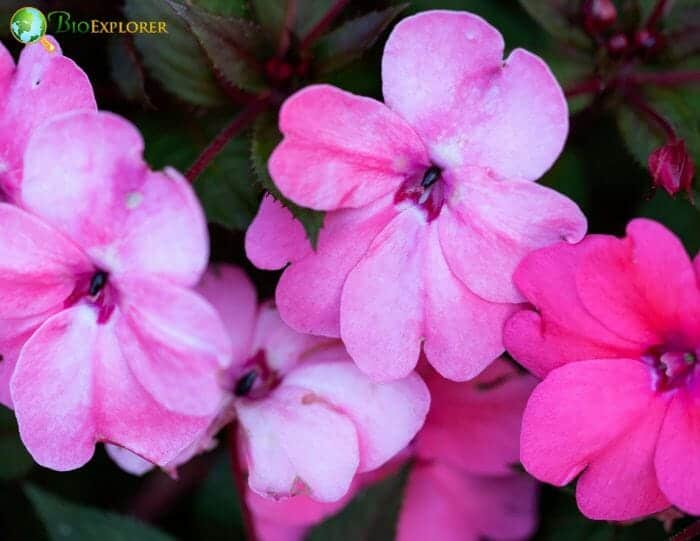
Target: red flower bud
(618, 44)
(672, 167)
(598, 15)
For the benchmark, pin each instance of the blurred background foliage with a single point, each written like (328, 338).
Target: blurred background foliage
(182, 88)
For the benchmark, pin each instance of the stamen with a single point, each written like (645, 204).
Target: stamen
(245, 383)
(97, 282)
(431, 176)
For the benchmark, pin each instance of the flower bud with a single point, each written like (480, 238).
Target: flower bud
(618, 44)
(598, 15)
(672, 167)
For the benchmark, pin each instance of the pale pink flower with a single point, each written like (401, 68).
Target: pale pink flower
(463, 485)
(616, 337)
(430, 198)
(101, 336)
(308, 419)
(42, 85)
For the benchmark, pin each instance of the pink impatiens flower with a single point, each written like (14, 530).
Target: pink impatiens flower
(101, 337)
(430, 199)
(308, 419)
(42, 85)
(616, 337)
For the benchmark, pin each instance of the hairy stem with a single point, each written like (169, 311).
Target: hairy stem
(691, 532)
(239, 478)
(237, 125)
(653, 115)
(656, 14)
(323, 24)
(671, 78)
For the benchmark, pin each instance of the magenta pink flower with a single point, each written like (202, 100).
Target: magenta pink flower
(463, 485)
(41, 86)
(616, 337)
(309, 419)
(430, 198)
(101, 337)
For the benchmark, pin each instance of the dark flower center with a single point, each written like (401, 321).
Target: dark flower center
(97, 282)
(426, 191)
(670, 369)
(96, 290)
(256, 379)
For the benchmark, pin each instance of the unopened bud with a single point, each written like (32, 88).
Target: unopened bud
(672, 167)
(598, 15)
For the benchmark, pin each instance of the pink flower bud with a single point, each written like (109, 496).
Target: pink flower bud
(672, 167)
(598, 15)
(618, 44)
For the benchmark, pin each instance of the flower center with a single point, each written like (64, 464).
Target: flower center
(426, 191)
(256, 379)
(96, 290)
(670, 369)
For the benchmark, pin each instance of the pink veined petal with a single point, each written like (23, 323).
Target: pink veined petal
(578, 412)
(275, 237)
(562, 329)
(52, 390)
(296, 512)
(643, 287)
(678, 451)
(341, 150)
(386, 415)
(308, 293)
(382, 305)
(44, 85)
(85, 175)
(38, 267)
(175, 344)
(283, 346)
(462, 330)
(490, 224)
(229, 290)
(268, 530)
(442, 502)
(128, 461)
(475, 426)
(468, 107)
(620, 483)
(298, 444)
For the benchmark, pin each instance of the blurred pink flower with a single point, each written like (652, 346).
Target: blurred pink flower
(101, 335)
(430, 199)
(308, 419)
(42, 86)
(616, 337)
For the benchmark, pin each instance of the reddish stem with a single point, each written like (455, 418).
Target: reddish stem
(671, 78)
(589, 86)
(656, 14)
(654, 116)
(323, 24)
(691, 532)
(240, 479)
(285, 36)
(238, 124)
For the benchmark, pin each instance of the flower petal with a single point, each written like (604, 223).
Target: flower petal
(386, 415)
(132, 220)
(128, 461)
(579, 411)
(297, 443)
(444, 503)
(678, 452)
(308, 293)
(381, 316)
(475, 426)
(462, 330)
(175, 343)
(468, 106)
(275, 237)
(341, 150)
(44, 85)
(490, 224)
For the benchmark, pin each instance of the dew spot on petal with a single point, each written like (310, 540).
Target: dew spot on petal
(133, 200)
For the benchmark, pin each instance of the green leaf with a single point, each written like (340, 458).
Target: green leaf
(556, 17)
(191, 80)
(226, 188)
(567, 177)
(371, 516)
(271, 15)
(266, 136)
(126, 70)
(309, 14)
(15, 461)
(676, 213)
(233, 45)
(66, 521)
(349, 41)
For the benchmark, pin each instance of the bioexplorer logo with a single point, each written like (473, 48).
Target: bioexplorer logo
(28, 25)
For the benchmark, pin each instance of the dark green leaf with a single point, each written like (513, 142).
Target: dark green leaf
(66, 521)
(126, 70)
(558, 17)
(371, 516)
(232, 44)
(347, 42)
(15, 460)
(265, 139)
(678, 214)
(309, 13)
(271, 15)
(175, 59)
(226, 187)
(567, 176)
